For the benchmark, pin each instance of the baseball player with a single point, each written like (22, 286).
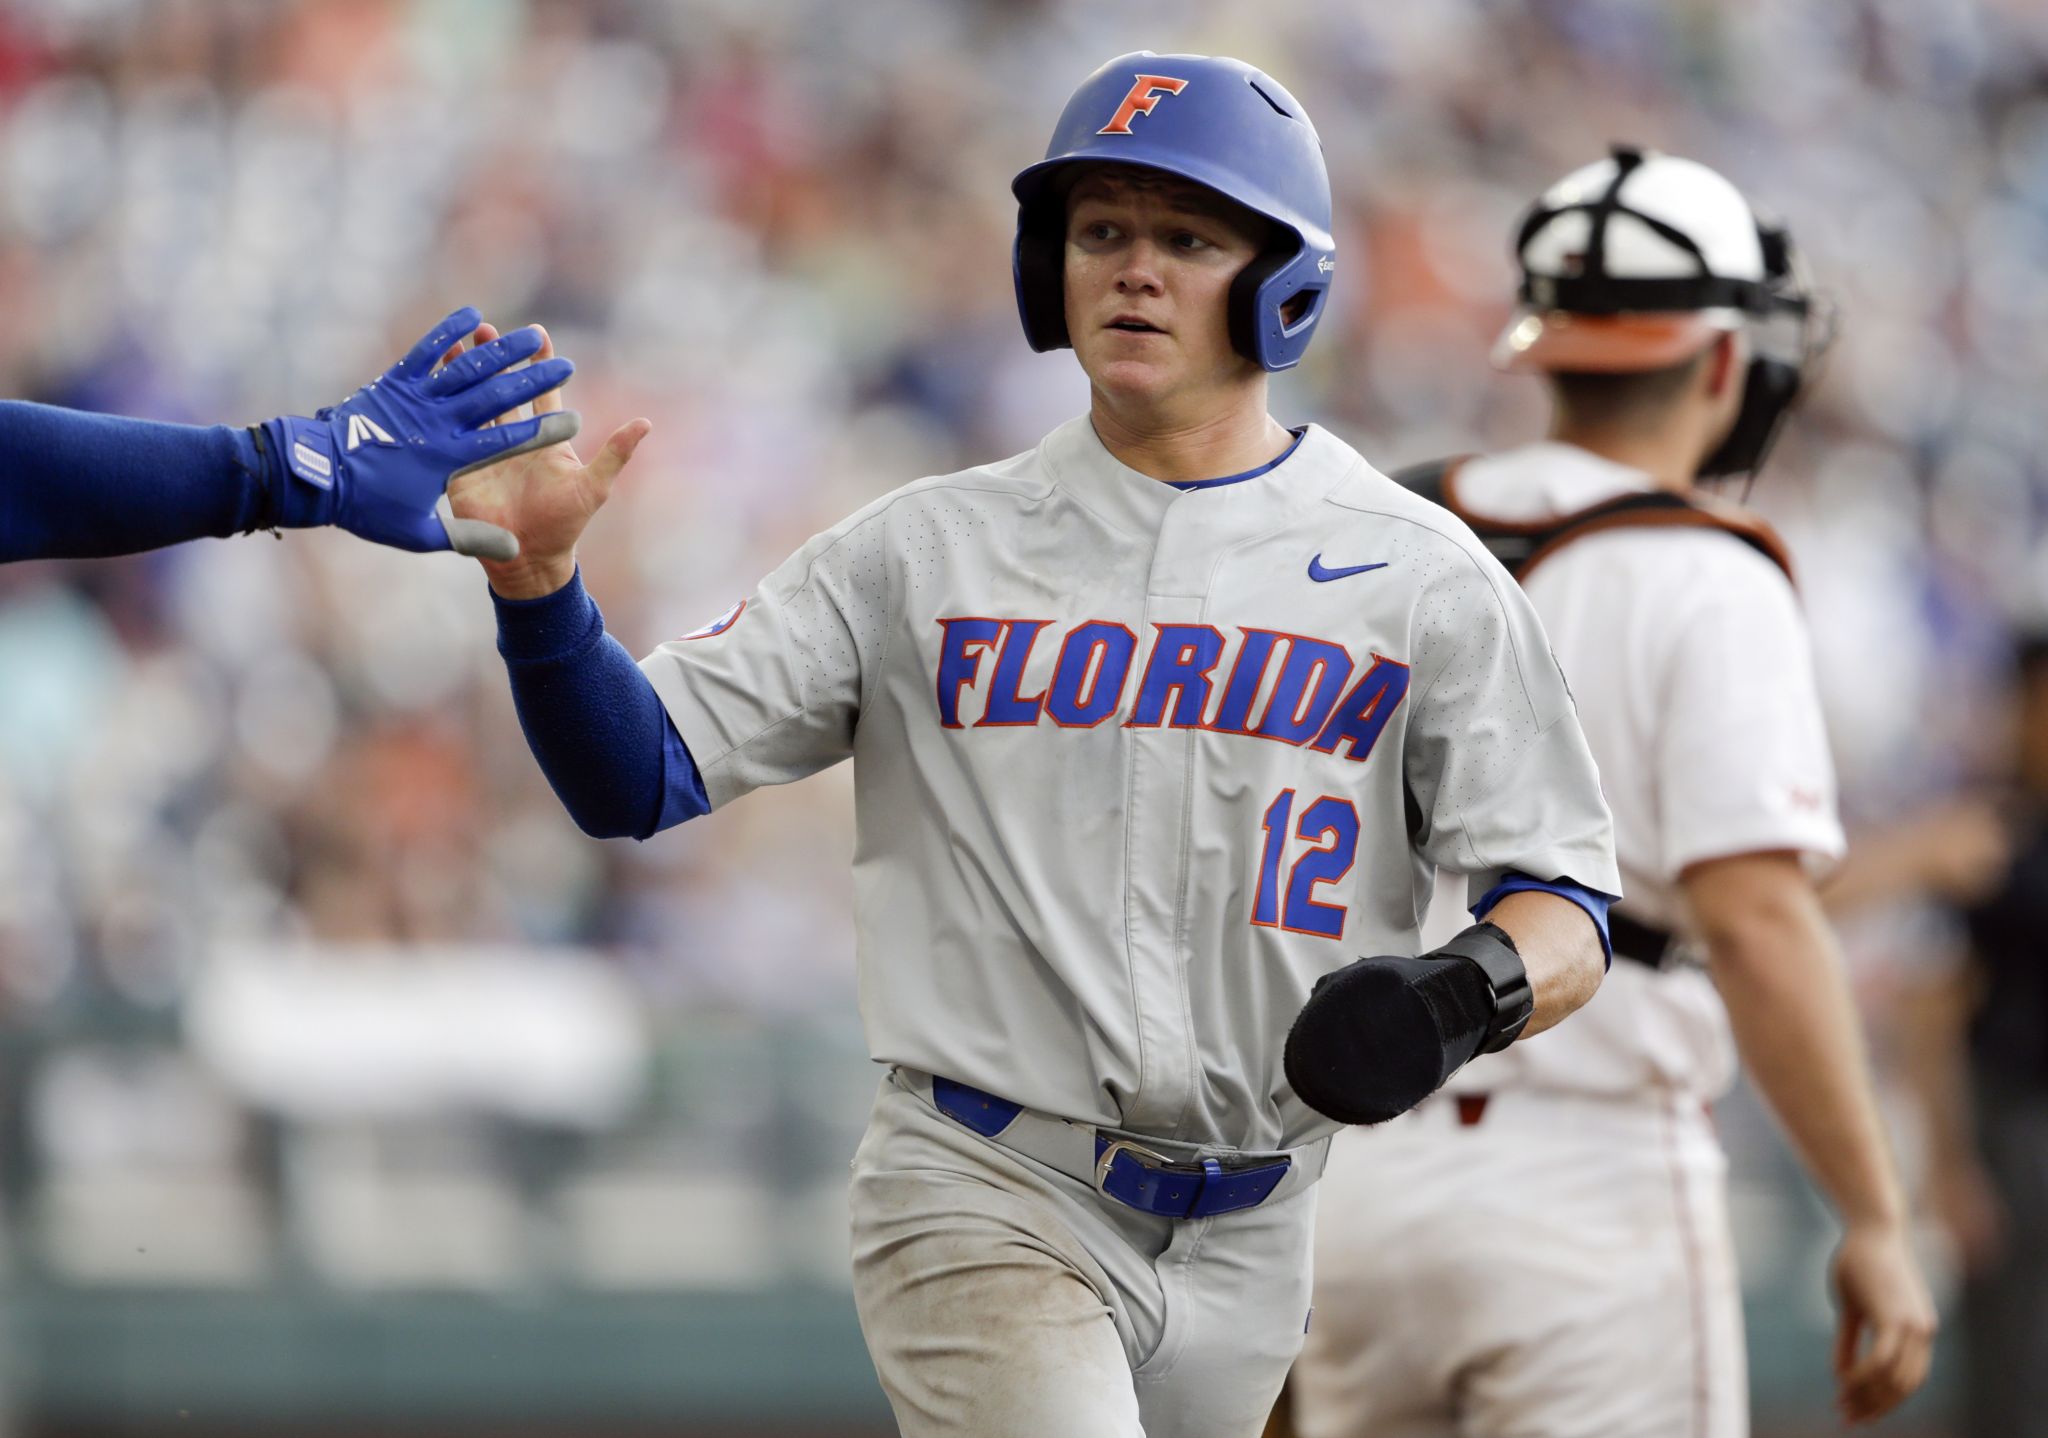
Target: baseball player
(76, 485)
(1155, 728)
(1552, 1229)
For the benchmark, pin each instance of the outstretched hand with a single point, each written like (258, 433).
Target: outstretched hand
(377, 463)
(543, 497)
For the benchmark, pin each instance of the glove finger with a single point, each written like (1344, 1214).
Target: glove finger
(419, 360)
(474, 537)
(491, 398)
(472, 366)
(492, 445)
(483, 334)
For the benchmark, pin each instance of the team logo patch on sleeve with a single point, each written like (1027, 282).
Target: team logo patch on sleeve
(719, 625)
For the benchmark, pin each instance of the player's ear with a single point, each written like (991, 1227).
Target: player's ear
(1724, 364)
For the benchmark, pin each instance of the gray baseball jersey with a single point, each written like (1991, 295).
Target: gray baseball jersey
(1137, 764)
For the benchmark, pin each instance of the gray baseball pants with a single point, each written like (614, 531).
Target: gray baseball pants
(1001, 1298)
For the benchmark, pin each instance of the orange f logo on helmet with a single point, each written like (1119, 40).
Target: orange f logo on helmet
(1146, 91)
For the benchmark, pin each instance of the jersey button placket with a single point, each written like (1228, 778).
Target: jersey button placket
(1161, 761)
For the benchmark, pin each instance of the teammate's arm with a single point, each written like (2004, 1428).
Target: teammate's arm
(79, 485)
(1774, 959)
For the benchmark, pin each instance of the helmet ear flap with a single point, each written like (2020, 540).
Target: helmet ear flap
(1038, 263)
(1246, 314)
(1251, 310)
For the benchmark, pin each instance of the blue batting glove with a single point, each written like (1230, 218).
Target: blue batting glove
(377, 463)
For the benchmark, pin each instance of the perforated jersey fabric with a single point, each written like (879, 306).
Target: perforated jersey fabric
(1129, 778)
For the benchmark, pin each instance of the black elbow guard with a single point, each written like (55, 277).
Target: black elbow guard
(1380, 1035)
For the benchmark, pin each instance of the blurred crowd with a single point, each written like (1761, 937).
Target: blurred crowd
(781, 231)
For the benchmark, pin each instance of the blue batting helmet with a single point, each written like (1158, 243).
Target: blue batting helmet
(1215, 121)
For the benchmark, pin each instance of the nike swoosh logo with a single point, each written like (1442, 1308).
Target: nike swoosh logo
(1324, 576)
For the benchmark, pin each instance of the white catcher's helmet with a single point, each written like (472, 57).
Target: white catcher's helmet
(1638, 261)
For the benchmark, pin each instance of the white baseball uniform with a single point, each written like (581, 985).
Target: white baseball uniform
(1136, 764)
(1544, 1248)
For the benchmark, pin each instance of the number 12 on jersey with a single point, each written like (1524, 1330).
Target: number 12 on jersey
(1329, 827)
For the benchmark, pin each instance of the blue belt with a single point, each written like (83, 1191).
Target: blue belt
(1124, 1168)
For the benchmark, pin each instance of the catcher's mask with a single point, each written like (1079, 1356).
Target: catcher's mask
(1637, 262)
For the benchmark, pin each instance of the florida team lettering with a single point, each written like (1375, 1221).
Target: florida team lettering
(1262, 683)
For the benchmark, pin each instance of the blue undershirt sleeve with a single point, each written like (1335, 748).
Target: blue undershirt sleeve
(77, 485)
(1592, 901)
(600, 732)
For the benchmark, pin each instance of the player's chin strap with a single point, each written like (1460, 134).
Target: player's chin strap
(1790, 335)
(1156, 1176)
